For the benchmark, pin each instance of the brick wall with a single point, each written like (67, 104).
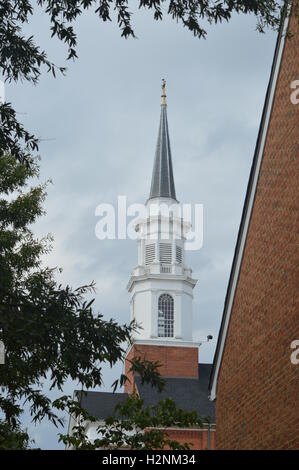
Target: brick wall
(196, 438)
(258, 387)
(175, 361)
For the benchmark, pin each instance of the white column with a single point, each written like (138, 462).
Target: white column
(132, 308)
(154, 315)
(173, 249)
(178, 316)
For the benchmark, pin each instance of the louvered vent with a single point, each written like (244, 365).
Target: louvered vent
(165, 253)
(179, 254)
(149, 253)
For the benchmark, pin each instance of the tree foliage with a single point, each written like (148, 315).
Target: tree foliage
(12, 437)
(49, 331)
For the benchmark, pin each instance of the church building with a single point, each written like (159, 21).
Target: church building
(161, 296)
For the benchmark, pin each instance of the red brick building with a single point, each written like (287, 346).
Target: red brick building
(254, 382)
(186, 383)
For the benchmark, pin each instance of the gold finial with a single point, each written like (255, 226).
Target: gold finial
(163, 101)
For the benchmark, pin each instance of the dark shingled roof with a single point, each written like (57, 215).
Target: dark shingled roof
(100, 404)
(188, 394)
(162, 179)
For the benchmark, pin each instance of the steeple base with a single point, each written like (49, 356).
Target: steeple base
(176, 360)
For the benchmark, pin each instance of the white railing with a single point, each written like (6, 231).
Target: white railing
(165, 269)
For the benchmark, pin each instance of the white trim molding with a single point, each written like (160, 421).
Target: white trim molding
(169, 342)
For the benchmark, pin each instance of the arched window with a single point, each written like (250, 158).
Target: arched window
(165, 316)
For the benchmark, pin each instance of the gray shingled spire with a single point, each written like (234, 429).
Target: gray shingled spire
(162, 179)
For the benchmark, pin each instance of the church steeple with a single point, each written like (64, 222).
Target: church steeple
(162, 178)
(161, 285)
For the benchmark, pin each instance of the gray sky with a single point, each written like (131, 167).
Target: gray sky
(100, 125)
